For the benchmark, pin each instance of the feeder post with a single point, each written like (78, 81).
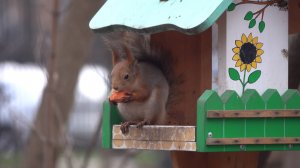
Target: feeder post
(193, 61)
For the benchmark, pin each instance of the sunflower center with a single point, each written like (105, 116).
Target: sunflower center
(248, 53)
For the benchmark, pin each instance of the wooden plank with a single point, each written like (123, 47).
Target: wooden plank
(156, 133)
(251, 141)
(154, 145)
(252, 113)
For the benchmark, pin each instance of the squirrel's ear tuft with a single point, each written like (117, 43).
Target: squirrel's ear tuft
(115, 56)
(129, 55)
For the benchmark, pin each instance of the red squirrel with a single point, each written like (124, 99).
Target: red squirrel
(139, 88)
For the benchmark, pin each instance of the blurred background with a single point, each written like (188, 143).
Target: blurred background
(53, 80)
(46, 45)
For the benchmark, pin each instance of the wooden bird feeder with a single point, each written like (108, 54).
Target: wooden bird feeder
(251, 109)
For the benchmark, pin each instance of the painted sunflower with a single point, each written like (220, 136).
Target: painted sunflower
(247, 52)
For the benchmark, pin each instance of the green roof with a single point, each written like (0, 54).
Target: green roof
(188, 16)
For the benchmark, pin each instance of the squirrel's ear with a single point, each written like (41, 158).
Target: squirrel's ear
(129, 55)
(115, 56)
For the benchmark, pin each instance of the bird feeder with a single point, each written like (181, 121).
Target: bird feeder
(251, 109)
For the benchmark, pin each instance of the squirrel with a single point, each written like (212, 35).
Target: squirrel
(139, 85)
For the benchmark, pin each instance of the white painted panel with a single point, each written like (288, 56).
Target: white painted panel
(274, 66)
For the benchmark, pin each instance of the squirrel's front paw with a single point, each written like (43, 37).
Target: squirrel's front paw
(125, 126)
(126, 98)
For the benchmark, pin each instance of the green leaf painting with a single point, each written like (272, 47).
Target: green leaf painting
(252, 23)
(231, 7)
(252, 16)
(261, 26)
(248, 16)
(234, 74)
(254, 76)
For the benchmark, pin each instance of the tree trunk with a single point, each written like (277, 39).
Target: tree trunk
(72, 43)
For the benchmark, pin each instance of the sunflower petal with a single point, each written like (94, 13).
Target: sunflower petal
(238, 63)
(255, 40)
(238, 43)
(254, 64)
(244, 38)
(250, 37)
(259, 45)
(248, 67)
(258, 59)
(243, 67)
(236, 57)
(260, 52)
(236, 50)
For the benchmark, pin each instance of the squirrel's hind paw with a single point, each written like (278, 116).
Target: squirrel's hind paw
(125, 126)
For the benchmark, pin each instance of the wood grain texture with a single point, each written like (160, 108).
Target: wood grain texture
(154, 145)
(253, 113)
(193, 62)
(294, 17)
(156, 133)
(192, 68)
(251, 141)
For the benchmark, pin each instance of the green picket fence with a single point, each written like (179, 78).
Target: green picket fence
(282, 128)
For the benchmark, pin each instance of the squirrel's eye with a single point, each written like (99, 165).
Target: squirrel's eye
(126, 77)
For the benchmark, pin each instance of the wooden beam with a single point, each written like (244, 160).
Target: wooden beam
(156, 133)
(294, 19)
(253, 113)
(154, 145)
(251, 141)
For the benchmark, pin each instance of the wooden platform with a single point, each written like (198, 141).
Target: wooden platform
(178, 138)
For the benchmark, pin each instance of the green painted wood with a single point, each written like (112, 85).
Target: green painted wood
(253, 127)
(151, 16)
(208, 101)
(274, 127)
(110, 117)
(233, 127)
(292, 125)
